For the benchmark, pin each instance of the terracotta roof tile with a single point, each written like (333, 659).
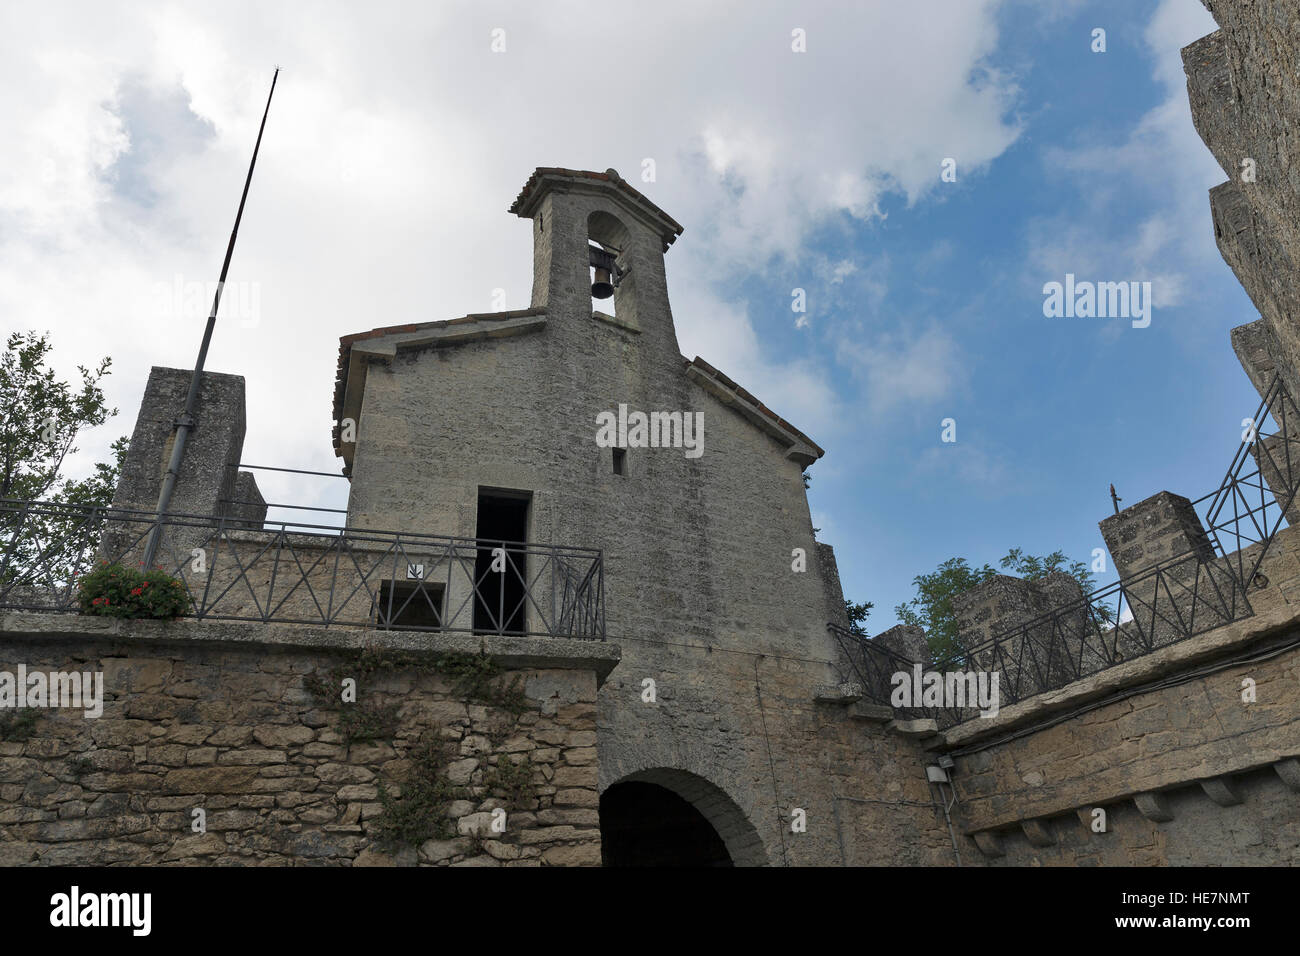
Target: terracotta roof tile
(634, 193)
(749, 397)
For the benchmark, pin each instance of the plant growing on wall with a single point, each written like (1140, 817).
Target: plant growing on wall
(514, 779)
(420, 813)
(113, 590)
(857, 614)
(17, 725)
(415, 809)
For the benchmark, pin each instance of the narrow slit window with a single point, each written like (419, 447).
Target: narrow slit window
(620, 461)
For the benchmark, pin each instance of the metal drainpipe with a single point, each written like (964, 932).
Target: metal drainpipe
(947, 816)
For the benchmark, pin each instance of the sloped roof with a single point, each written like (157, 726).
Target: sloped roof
(346, 342)
(746, 396)
(730, 387)
(534, 188)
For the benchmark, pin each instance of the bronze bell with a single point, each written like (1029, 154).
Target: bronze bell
(602, 288)
(602, 260)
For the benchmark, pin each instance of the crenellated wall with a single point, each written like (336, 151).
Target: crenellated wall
(209, 482)
(1243, 83)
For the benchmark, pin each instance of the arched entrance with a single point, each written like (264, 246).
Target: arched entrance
(668, 817)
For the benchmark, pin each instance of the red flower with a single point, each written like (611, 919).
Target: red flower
(137, 591)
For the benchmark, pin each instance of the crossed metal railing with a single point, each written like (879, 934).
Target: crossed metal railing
(1190, 594)
(874, 667)
(1258, 492)
(293, 573)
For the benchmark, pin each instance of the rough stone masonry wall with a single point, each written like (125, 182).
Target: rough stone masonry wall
(750, 727)
(230, 727)
(1243, 83)
(1187, 774)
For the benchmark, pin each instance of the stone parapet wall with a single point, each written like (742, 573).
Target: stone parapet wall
(198, 716)
(1215, 716)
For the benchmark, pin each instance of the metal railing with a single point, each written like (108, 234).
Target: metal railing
(285, 572)
(874, 665)
(1169, 603)
(1258, 492)
(1192, 593)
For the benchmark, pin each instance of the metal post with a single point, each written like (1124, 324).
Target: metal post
(186, 421)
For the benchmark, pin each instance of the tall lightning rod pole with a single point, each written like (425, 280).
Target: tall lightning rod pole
(186, 421)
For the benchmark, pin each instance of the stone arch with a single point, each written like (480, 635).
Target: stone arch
(744, 845)
(608, 232)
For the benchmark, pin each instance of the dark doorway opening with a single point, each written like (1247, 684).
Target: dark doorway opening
(499, 605)
(416, 604)
(644, 824)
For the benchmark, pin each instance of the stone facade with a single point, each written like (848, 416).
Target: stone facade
(700, 587)
(220, 718)
(1243, 82)
(721, 682)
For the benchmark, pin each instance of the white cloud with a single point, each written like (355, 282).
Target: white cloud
(1164, 159)
(396, 141)
(834, 273)
(923, 367)
(964, 466)
(796, 390)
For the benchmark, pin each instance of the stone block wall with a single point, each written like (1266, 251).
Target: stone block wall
(1263, 829)
(1033, 650)
(221, 718)
(750, 727)
(1243, 86)
(247, 505)
(1153, 531)
(1193, 764)
(208, 482)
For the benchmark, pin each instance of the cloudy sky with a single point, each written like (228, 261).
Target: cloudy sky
(399, 136)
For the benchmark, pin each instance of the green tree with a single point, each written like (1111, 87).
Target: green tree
(858, 616)
(932, 608)
(41, 416)
(1031, 568)
(40, 419)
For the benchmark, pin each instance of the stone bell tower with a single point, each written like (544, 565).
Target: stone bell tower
(575, 213)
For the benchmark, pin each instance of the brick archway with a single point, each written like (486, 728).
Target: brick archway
(728, 821)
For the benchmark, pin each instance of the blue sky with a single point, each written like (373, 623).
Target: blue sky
(1048, 411)
(398, 138)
